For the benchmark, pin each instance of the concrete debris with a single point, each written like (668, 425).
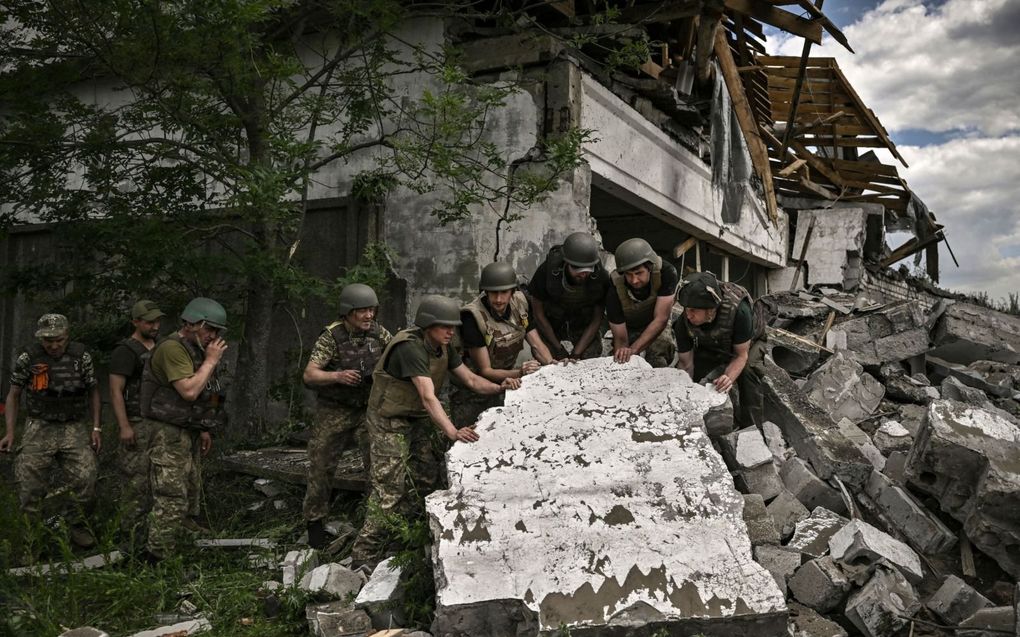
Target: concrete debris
(337, 619)
(955, 601)
(763, 480)
(812, 534)
(878, 609)
(894, 333)
(761, 529)
(819, 584)
(380, 596)
(954, 389)
(271, 586)
(891, 437)
(266, 487)
(923, 531)
(808, 488)
(623, 501)
(290, 464)
(835, 340)
(719, 419)
(746, 448)
(860, 544)
(805, 622)
(942, 369)
(966, 333)
(900, 386)
(863, 442)
(780, 561)
(842, 388)
(248, 542)
(966, 457)
(85, 631)
(296, 563)
(332, 581)
(896, 467)
(88, 563)
(912, 417)
(990, 622)
(786, 511)
(835, 252)
(775, 442)
(181, 629)
(797, 356)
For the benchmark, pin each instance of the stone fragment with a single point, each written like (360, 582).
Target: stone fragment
(380, 597)
(779, 561)
(879, 607)
(786, 511)
(763, 480)
(296, 563)
(842, 388)
(863, 442)
(966, 457)
(953, 389)
(719, 419)
(805, 622)
(811, 490)
(923, 531)
(594, 488)
(969, 377)
(891, 436)
(812, 534)
(809, 429)
(835, 340)
(775, 442)
(332, 581)
(899, 386)
(84, 631)
(795, 355)
(990, 622)
(860, 544)
(180, 629)
(337, 619)
(750, 449)
(894, 333)
(956, 600)
(896, 467)
(819, 584)
(760, 527)
(912, 417)
(266, 487)
(966, 333)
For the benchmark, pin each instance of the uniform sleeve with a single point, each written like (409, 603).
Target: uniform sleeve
(684, 343)
(123, 361)
(614, 309)
(470, 335)
(454, 359)
(88, 370)
(20, 373)
(173, 362)
(669, 280)
(537, 287)
(385, 336)
(323, 349)
(532, 323)
(406, 361)
(743, 323)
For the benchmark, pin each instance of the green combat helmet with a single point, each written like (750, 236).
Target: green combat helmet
(355, 297)
(437, 310)
(700, 290)
(632, 253)
(497, 277)
(205, 309)
(580, 250)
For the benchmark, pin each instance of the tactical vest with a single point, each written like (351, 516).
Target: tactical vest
(57, 391)
(713, 343)
(161, 401)
(503, 339)
(571, 301)
(359, 352)
(395, 397)
(638, 314)
(132, 388)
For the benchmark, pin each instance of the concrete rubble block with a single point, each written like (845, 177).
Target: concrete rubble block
(920, 527)
(879, 607)
(337, 619)
(761, 529)
(835, 340)
(953, 389)
(779, 561)
(812, 534)
(296, 563)
(912, 417)
(811, 490)
(180, 629)
(891, 437)
(595, 490)
(805, 622)
(860, 544)
(267, 487)
(809, 429)
(990, 622)
(775, 442)
(819, 584)
(381, 596)
(863, 442)
(795, 355)
(896, 467)
(786, 511)
(894, 333)
(844, 389)
(956, 600)
(719, 419)
(84, 631)
(745, 449)
(763, 480)
(966, 457)
(332, 581)
(966, 333)
(942, 369)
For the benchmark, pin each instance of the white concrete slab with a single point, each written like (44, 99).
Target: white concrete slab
(595, 491)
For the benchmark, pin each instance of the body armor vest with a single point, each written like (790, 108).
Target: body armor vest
(359, 352)
(638, 314)
(395, 397)
(713, 343)
(57, 391)
(573, 303)
(132, 388)
(161, 401)
(503, 339)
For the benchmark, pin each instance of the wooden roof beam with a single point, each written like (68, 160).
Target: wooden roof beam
(789, 22)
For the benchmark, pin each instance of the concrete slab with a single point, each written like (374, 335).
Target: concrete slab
(860, 544)
(180, 629)
(956, 600)
(966, 333)
(844, 389)
(812, 534)
(89, 563)
(594, 492)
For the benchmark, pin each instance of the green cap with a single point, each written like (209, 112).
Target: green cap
(146, 311)
(52, 326)
(700, 291)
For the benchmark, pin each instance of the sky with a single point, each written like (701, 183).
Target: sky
(944, 79)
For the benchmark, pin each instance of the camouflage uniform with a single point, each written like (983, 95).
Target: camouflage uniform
(54, 429)
(341, 408)
(639, 313)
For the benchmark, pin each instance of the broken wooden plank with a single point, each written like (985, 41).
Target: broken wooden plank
(803, 253)
(778, 18)
(792, 168)
(681, 249)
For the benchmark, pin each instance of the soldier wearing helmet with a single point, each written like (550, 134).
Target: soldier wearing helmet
(638, 305)
(182, 396)
(340, 372)
(57, 378)
(714, 338)
(494, 328)
(404, 411)
(568, 296)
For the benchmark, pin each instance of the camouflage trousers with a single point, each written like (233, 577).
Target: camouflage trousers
(466, 406)
(407, 461)
(337, 428)
(46, 444)
(175, 481)
(662, 351)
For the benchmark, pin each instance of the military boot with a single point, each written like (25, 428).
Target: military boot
(317, 538)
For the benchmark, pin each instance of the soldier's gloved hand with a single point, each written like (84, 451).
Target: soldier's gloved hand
(530, 367)
(205, 442)
(7, 443)
(214, 350)
(127, 437)
(510, 383)
(467, 434)
(623, 354)
(348, 377)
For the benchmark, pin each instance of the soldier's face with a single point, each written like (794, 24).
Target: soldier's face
(578, 274)
(699, 316)
(207, 333)
(55, 345)
(440, 334)
(361, 318)
(148, 329)
(499, 300)
(638, 277)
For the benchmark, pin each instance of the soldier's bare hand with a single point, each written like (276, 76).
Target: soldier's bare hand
(97, 440)
(214, 350)
(623, 354)
(204, 442)
(7, 443)
(348, 377)
(530, 367)
(510, 383)
(467, 434)
(127, 437)
(723, 384)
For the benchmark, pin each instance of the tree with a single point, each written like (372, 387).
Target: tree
(193, 173)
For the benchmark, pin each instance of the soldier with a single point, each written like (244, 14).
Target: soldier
(126, 364)
(339, 371)
(568, 295)
(59, 382)
(715, 338)
(639, 304)
(493, 329)
(402, 410)
(182, 400)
